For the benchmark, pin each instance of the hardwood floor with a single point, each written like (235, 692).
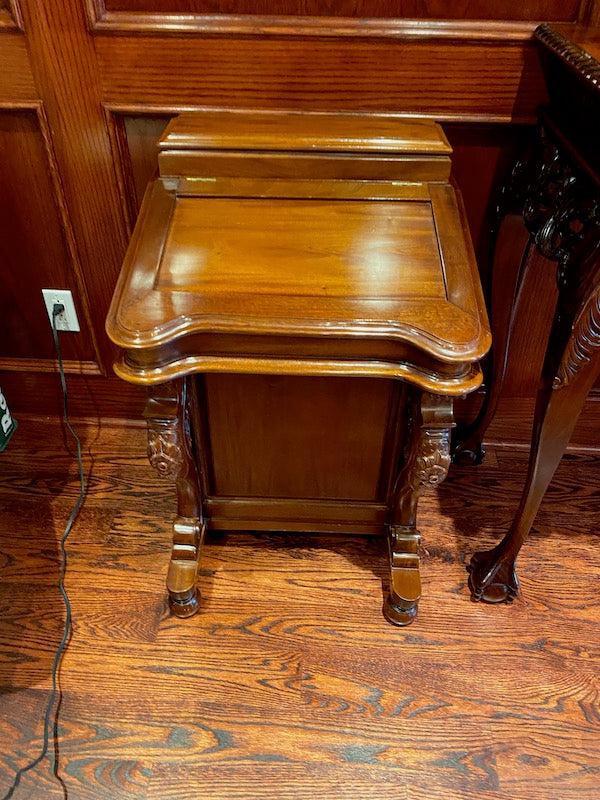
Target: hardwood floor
(289, 683)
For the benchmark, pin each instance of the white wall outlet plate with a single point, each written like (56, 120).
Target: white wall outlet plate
(67, 319)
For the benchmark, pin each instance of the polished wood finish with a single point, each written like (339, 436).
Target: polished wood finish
(28, 161)
(298, 293)
(425, 465)
(76, 61)
(556, 188)
(349, 75)
(418, 9)
(349, 467)
(319, 133)
(171, 413)
(288, 684)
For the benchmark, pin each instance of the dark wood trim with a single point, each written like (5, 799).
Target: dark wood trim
(281, 514)
(19, 105)
(587, 68)
(128, 22)
(17, 85)
(589, 12)
(67, 228)
(122, 162)
(84, 158)
(11, 18)
(49, 365)
(95, 11)
(158, 109)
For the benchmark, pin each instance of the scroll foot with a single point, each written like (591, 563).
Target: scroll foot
(400, 607)
(492, 577)
(188, 537)
(185, 604)
(398, 615)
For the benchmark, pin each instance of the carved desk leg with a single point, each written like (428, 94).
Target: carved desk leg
(170, 451)
(569, 373)
(427, 458)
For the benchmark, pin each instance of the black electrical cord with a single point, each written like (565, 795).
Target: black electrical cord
(51, 723)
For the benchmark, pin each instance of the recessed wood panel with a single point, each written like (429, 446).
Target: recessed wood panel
(33, 253)
(16, 80)
(142, 134)
(418, 9)
(481, 159)
(435, 78)
(9, 14)
(282, 436)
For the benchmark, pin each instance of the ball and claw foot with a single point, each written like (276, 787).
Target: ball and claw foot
(492, 578)
(467, 453)
(184, 604)
(400, 615)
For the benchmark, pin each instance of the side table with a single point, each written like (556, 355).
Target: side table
(556, 189)
(301, 299)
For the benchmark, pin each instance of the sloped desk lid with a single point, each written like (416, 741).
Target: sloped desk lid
(301, 277)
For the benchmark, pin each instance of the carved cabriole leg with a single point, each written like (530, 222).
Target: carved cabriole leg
(569, 373)
(561, 211)
(168, 412)
(426, 462)
(509, 278)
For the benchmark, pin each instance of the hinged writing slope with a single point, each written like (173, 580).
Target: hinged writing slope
(350, 275)
(299, 145)
(290, 259)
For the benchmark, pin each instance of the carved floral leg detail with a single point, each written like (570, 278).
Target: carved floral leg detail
(170, 452)
(426, 464)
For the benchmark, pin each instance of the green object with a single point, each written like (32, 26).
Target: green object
(8, 424)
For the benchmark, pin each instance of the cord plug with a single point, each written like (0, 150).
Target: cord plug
(61, 309)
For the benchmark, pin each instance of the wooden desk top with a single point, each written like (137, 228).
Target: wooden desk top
(321, 276)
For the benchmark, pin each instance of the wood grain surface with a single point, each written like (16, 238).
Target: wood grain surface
(475, 9)
(289, 682)
(501, 82)
(108, 73)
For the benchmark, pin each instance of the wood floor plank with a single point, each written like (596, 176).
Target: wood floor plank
(289, 683)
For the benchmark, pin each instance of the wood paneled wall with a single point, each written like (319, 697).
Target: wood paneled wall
(86, 87)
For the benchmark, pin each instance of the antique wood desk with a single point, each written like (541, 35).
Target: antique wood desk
(556, 189)
(301, 298)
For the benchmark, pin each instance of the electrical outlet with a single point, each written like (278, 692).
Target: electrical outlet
(67, 319)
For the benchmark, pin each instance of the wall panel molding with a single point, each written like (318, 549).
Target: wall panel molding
(17, 85)
(461, 81)
(49, 365)
(63, 61)
(125, 22)
(123, 169)
(498, 24)
(68, 232)
(70, 266)
(10, 15)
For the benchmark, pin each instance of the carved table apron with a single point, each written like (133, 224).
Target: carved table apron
(301, 299)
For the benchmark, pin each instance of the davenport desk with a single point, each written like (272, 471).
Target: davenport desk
(301, 299)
